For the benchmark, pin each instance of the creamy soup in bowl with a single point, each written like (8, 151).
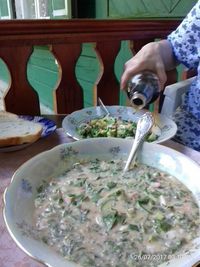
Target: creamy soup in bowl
(73, 206)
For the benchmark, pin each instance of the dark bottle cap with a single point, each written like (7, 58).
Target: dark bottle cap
(143, 89)
(138, 100)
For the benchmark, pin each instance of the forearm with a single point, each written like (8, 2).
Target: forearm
(166, 53)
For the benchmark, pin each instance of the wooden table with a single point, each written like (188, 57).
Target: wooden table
(10, 254)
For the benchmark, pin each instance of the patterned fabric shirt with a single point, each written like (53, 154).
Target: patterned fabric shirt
(185, 41)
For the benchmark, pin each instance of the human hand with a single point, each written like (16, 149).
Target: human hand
(148, 58)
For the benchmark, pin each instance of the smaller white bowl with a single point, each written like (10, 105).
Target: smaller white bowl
(72, 121)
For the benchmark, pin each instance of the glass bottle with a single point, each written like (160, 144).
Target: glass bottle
(142, 89)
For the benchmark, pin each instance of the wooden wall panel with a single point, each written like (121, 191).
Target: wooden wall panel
(65, 38)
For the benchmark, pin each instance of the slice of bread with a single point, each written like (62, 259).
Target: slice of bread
(5, 115)
(16, 131)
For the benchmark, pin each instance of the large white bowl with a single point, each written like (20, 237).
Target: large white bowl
(20, 194)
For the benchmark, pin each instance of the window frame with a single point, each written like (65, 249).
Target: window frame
(9, 9)
(20, 9)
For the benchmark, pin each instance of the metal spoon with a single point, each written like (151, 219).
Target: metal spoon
(103, 107)
(144, 125)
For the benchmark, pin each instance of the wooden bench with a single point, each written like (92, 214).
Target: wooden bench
(65, 39)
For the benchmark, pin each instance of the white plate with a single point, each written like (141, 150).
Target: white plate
(48, 126)
(72, 121)
(20, 195)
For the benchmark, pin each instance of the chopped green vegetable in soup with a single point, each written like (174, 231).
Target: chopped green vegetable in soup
(111, 127)
(97, 217)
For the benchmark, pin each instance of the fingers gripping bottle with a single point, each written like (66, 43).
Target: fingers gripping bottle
(143, 89)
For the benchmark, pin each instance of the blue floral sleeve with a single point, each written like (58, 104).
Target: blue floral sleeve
(185, 40)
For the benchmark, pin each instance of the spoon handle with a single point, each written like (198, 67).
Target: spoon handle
(103, 106)
(143, 127)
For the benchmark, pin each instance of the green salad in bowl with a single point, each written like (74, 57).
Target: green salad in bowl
(109, 126)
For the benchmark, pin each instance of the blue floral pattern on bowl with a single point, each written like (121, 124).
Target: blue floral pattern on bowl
(48, 126)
